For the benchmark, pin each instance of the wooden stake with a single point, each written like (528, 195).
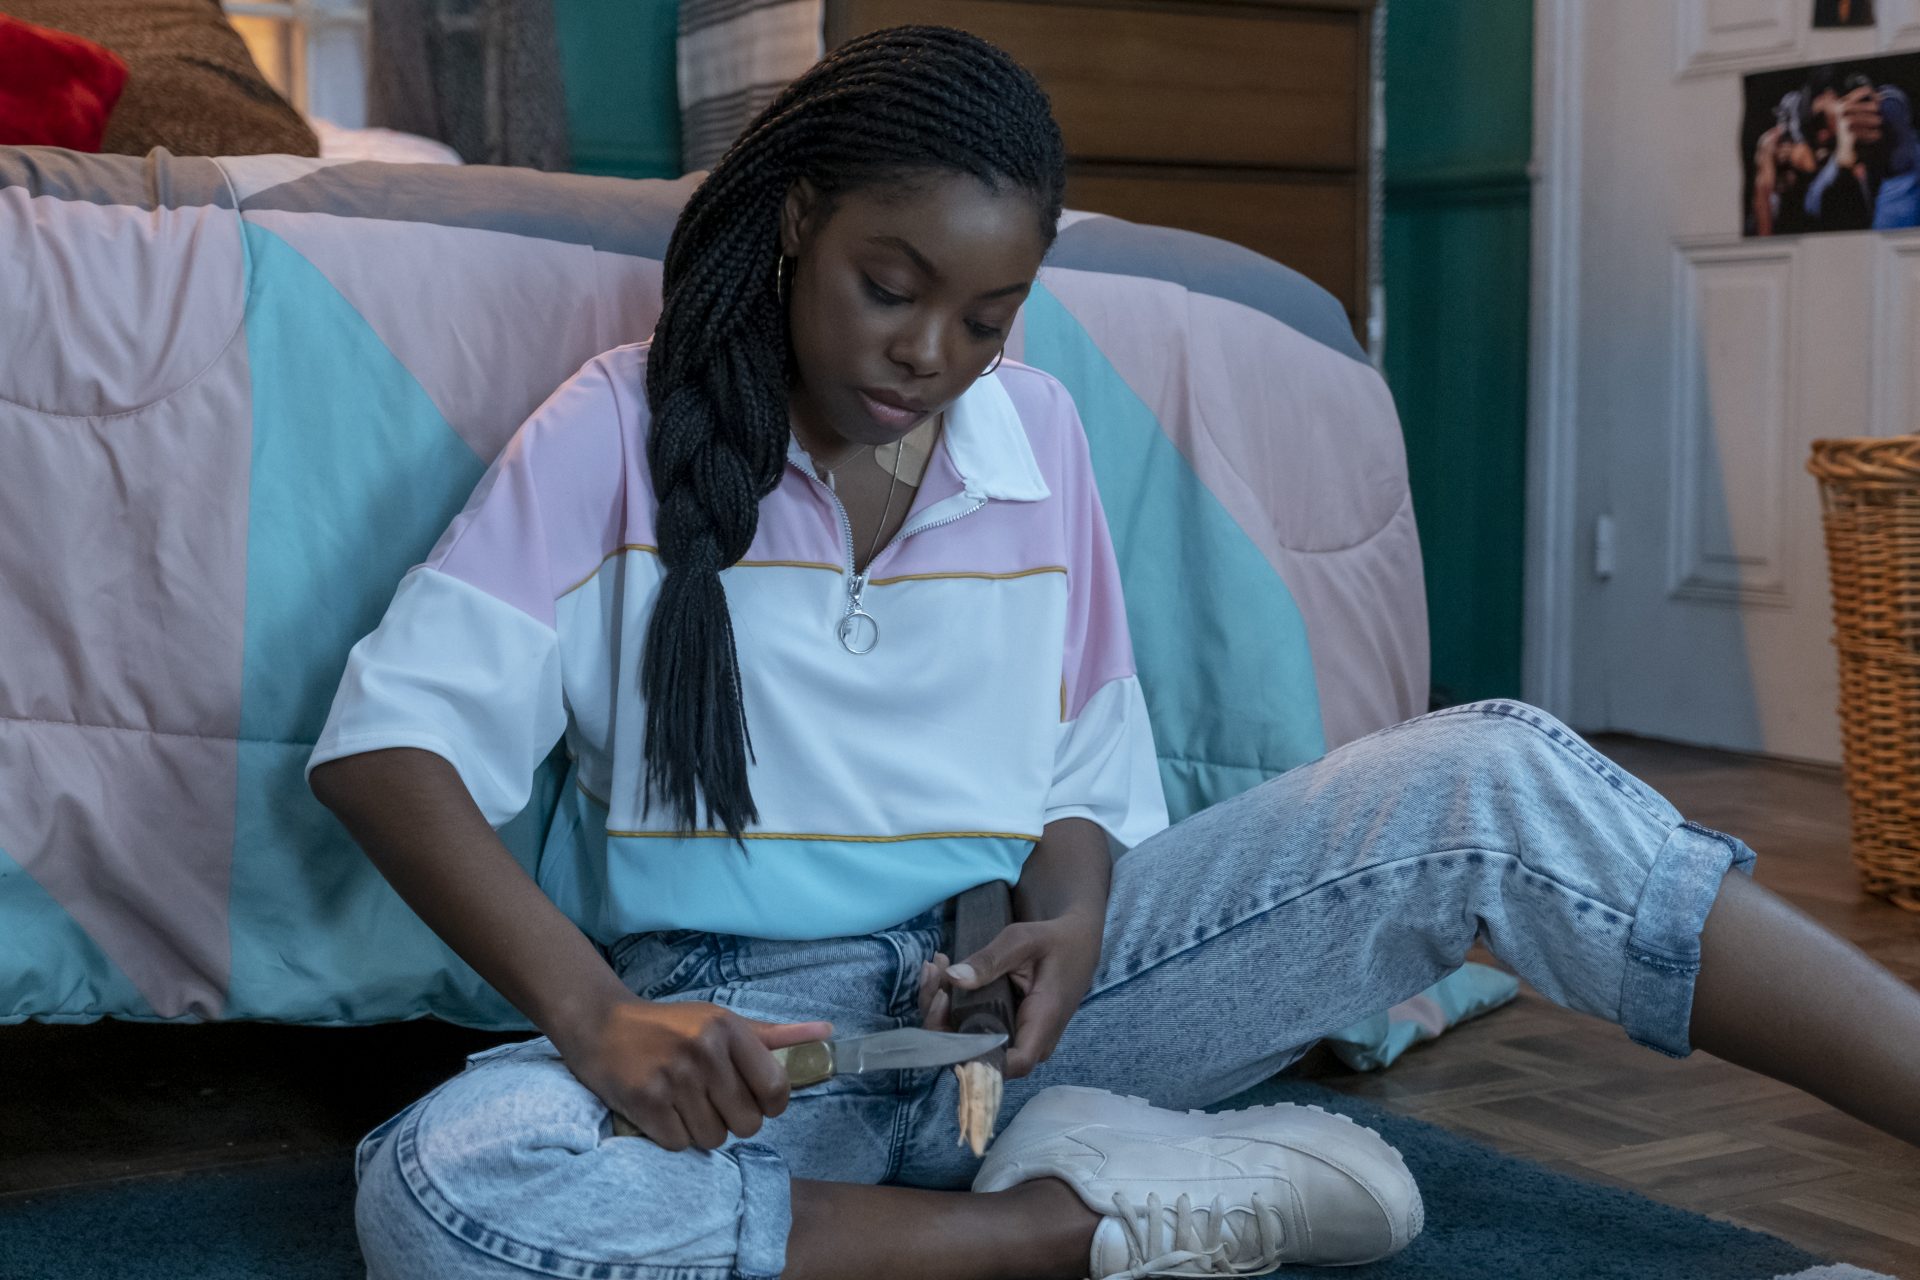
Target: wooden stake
(979, 914)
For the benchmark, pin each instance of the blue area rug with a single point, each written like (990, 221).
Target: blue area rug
(288, 1220)
(1487, 1215)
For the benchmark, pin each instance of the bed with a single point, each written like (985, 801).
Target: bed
(242, 396)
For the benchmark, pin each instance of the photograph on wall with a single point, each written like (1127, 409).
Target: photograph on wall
(1842, 13)
(1830, 147)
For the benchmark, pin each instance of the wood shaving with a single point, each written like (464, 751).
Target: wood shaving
(979, 1106)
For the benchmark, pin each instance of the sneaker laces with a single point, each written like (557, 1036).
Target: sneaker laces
(1218, 1246)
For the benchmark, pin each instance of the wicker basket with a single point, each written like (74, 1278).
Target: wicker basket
(1870, 504)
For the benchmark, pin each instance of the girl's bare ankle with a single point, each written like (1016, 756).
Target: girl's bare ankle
(1063, 1220)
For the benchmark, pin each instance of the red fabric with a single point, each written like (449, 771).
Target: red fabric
(56, 90)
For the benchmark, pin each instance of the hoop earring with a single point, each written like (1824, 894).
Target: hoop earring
(779, 278)
(996, 362)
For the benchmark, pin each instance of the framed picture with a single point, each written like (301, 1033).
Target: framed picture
(1831, 147)
(1842, 13)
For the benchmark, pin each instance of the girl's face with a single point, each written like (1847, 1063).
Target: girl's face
(899, 295)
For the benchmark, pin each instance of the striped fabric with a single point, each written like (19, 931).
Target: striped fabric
(244, 398)
(734, 57)
(999, 694)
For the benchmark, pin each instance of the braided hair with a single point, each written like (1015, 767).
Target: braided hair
(883, 107)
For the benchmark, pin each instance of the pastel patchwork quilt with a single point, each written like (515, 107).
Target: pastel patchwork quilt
(239, 398)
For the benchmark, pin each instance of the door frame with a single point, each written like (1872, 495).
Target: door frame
(1553, 505)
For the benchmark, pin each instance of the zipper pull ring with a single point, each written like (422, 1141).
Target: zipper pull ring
(858, 631)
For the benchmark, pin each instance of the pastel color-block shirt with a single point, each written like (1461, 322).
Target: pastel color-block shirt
(1000, 695)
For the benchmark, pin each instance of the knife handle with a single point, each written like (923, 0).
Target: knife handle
(805, 1064)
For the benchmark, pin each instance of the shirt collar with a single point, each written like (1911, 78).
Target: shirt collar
(989, 447)
(986, 443)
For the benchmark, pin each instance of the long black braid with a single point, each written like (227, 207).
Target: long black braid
(884, 106)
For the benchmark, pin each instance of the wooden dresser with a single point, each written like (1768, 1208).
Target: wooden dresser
(1243, 119)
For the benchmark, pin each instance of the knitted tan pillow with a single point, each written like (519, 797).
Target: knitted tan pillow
(192, 87)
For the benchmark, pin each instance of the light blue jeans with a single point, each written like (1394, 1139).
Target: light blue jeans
(1234, 940)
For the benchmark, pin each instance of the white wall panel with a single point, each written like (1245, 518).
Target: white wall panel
(1733, 395)
(1720, 35)
(1896, 353)
(1899, 22)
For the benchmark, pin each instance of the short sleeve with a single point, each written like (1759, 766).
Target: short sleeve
(1105, 769)
(466, 661)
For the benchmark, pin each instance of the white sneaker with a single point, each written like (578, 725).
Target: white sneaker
(1198, 1194)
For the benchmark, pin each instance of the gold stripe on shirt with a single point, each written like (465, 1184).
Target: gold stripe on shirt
(751, 564)
(918, 577)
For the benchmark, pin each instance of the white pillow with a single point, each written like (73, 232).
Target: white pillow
(388, 145)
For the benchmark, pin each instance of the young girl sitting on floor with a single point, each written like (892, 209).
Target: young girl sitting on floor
(817, 588)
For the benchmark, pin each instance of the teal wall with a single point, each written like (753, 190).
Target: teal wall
(1459, 131)
(623, 106)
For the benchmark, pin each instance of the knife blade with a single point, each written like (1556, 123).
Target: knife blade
(896, 1050)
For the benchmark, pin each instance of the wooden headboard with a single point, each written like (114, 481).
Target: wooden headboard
(1243, 119)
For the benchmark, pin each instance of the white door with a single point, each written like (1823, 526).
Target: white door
(1700, 368)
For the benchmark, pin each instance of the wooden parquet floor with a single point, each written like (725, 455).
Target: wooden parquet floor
(1538, 1081)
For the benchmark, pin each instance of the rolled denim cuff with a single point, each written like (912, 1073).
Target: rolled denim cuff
(766, 1211)
(1663, 948)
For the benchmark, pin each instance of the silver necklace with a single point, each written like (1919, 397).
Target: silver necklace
(886, 511)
